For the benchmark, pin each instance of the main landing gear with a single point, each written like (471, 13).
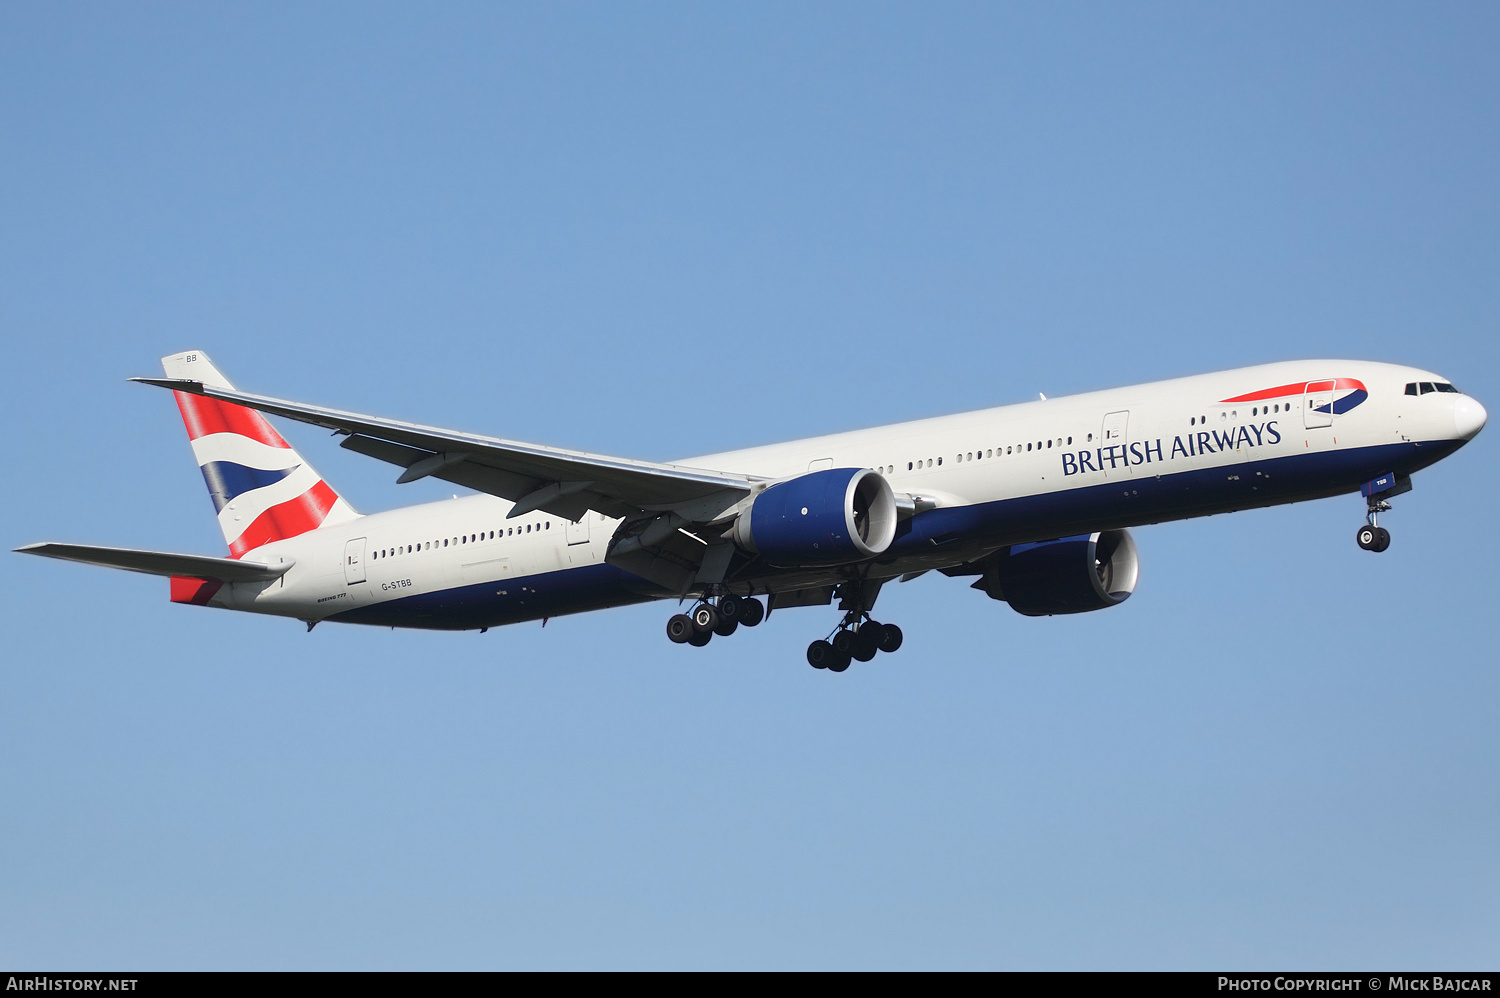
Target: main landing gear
(857, 639)
(722, 617)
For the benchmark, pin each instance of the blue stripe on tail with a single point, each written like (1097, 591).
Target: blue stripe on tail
(227, 480)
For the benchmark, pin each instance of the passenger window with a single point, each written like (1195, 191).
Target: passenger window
(1070, 441)
(1028, 447)
(908, 465)
(1049, 445)
(940, 462)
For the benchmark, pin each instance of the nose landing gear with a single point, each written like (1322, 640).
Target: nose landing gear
(1372, 536)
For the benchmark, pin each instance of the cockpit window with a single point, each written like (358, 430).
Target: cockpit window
(1423, 387)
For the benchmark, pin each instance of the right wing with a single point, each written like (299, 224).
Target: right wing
(195, 566)
(562, 482)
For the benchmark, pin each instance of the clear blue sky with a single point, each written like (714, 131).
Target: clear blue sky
(659, 229)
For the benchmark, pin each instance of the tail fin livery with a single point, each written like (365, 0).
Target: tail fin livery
(262, 489)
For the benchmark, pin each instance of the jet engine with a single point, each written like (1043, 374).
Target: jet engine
(822, 518)
(1067, 575)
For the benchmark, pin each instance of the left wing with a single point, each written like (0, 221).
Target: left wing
(562, 482)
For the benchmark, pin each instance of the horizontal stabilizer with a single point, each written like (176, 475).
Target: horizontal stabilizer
(161, 562)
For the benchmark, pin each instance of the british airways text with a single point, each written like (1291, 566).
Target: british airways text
(1152, 451)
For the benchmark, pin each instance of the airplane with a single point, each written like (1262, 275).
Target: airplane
(1034, 501)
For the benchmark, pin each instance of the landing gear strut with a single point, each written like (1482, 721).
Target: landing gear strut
(856, 639)
(1372, 536)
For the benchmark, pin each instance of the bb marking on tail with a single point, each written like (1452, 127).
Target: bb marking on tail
(261, 488)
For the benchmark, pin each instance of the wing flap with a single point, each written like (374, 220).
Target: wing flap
(161, 562)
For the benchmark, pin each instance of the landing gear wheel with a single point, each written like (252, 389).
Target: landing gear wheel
(752, 612)
(819, 653)
(731, 607)
(1366, 536)
(726, 628)
(866, 641)
(700, 638)
(838, 662)
(679, 628)
(843, 644)
(1382, 540)
(890, 637)
(705, 618)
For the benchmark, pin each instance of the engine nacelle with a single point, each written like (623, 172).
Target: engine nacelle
(1068, 575)
(822, 518)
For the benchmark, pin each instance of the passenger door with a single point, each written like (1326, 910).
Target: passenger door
(1114, 434)
(354, 561)
(578, 530)
(1317, 404)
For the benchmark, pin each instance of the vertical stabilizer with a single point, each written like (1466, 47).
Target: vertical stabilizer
(261, 488)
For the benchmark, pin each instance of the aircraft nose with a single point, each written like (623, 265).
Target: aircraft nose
(1468, 416)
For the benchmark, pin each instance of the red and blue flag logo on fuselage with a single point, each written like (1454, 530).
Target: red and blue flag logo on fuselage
(1343, 394)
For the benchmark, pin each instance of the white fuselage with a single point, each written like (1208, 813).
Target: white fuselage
(1017, 473)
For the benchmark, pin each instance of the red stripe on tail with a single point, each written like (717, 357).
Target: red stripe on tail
(203, 416)
(288, 519)
(195, 591)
